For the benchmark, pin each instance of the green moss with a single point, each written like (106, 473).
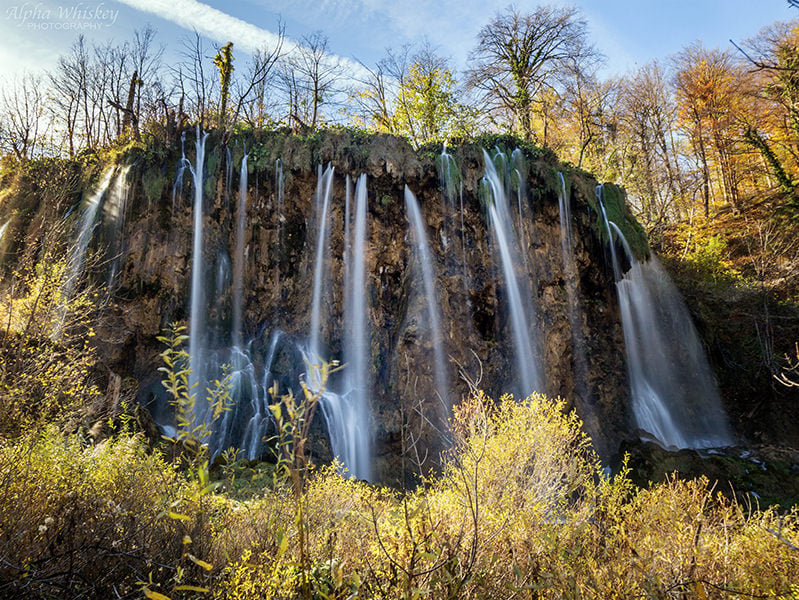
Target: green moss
(617, 211)
(153, 183)
(507, 143)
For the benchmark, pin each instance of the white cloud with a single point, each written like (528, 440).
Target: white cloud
(208, 21)
(217, 25)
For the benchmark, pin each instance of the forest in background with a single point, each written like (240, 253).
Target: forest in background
(704, 129)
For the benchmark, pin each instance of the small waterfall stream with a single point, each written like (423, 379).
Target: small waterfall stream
(347, 412)
(114, 210)
(280, 187)
(452, 187)
(580, 360)
(424, 261)
(322, 203)
(198, 310)
(238, 256)
(85, 232)
(675, 398)
(529, 375)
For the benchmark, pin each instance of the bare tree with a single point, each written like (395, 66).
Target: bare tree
(708, 90)
(253, 90)
(22, 122)
(519, 55)
(69, 87)
(195, 80)
(649, 117)
(372, 98)
(583, 93)
(309, 76)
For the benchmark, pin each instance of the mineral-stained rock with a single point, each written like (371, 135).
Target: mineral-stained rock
(153, 286)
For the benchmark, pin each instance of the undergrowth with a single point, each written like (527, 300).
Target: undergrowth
(521, 509)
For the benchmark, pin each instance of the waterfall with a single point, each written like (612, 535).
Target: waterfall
(198, 309)
(238, 257)
(114, 209)
(347, 241)
(675, 398)
(177, 186)
(323, 188)
(257, 425)
(348, 414)
(86, 227)
(3, 248)
(280, 187)
(530, 374)
(452, 186)
(517, 160)
(425, 264)
(3, 228)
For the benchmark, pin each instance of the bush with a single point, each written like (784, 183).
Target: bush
(522, 508)
(46, 357)
(81, 521)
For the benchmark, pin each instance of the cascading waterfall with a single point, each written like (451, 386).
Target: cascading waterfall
(323, 189)
(347, 413)
(88, 224)
(243, 379)
(198, 309)
(258, 424)
(114, 210)
(530, 373)
(675, 398)
(425, 264)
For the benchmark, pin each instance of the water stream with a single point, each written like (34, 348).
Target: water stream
(529, 375)
(675, 398)
(425, 264)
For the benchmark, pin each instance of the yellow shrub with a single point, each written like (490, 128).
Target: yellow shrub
(81, 520)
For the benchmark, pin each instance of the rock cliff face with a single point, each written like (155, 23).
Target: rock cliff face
(153, 285)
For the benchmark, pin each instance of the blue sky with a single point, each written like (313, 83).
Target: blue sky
(629, 33)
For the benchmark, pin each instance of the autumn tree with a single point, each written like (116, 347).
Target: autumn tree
(519, 56)
(648, 145)
(707, 93)
(577, 118)
(427, 108)
(773, 61)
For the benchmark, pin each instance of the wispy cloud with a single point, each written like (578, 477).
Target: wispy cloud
(218, 25)
(208, 21)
